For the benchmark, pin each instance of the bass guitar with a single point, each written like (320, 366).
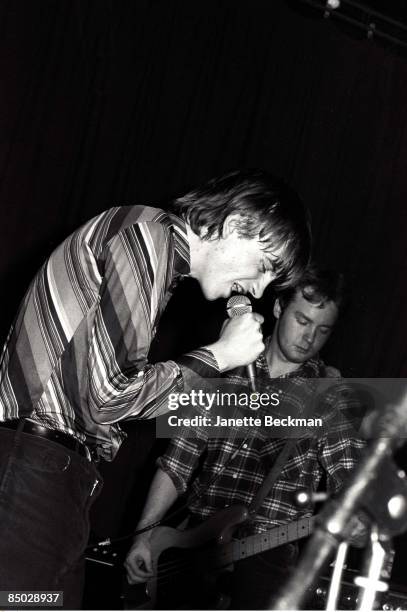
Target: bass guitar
(202, 550)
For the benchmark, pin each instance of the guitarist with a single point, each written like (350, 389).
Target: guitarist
(218, 472)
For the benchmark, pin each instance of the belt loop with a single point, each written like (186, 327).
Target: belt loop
(21, 423)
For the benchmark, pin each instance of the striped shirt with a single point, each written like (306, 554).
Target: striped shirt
(217, 472)
(76, 357)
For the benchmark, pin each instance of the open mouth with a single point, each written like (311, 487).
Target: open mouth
(236, 288)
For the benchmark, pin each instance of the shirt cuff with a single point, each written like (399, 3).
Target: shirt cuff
(178, 482)
(202, 362)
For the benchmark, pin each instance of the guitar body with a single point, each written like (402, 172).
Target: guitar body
(168, 563)
(218, 528)
(187, 563)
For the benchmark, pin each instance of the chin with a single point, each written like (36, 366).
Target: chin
(209, 295)
(296, 358)
(214, 291)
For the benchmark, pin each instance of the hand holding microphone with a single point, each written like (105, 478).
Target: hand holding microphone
(237, 306)
(241, 338)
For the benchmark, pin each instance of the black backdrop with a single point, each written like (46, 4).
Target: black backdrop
(107, 102)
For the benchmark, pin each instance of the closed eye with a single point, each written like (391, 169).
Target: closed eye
(267, 267)
(302, 321)
(325, 330)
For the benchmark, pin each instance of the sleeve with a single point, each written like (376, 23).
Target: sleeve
(121, 382)
(341, 447)
(181, 459)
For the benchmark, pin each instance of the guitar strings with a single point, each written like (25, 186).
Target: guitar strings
(176, 566)
(171, 568)
(166, 567)
(166, 577)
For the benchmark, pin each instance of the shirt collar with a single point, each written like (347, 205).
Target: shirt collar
(182, 254)
(309, 369)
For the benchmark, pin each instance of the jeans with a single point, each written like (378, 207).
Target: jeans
(46, 491)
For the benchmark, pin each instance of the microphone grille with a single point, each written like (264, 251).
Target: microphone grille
(238, 305)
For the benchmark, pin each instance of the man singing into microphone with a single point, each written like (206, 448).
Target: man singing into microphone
(216, 473)
(75, 363)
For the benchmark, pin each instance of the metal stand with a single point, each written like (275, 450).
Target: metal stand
(387, 509)
(333, 595)
(371, 584)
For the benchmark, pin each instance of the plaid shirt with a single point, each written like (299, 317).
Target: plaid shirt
(219, 472)
(76, 358)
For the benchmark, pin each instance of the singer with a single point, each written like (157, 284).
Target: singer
(231, 471)
(75, 363)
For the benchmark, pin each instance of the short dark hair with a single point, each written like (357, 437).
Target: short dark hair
(268, 208)
(318, 286)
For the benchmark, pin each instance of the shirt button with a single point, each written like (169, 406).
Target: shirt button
(244, 445)
(234, 476)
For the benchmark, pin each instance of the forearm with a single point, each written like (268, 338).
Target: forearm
(147, 394)
(161, 496)
(139, 560)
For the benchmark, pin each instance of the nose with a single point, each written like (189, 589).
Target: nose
(309, 336)
(258, 289)
(260, 285)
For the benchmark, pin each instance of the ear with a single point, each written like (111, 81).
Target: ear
(230, 224)
(277, 310)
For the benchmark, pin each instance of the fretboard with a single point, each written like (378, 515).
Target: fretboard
(260, 542)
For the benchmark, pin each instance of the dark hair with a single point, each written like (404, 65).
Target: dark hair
(318, 286)
(268, 208)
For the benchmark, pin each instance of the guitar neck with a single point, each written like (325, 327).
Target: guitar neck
(260, 542)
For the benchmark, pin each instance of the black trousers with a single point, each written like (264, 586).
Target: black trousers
(45, 494)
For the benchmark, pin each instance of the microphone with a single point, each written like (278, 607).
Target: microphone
(238, 305)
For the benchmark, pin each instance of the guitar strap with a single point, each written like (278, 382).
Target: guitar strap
(275, 471)
(272, 475)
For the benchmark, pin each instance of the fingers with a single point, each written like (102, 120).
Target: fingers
(138, 566)
(255, 321)
(136, 574)
(248, 320)
(240, 341)
(258, 317)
